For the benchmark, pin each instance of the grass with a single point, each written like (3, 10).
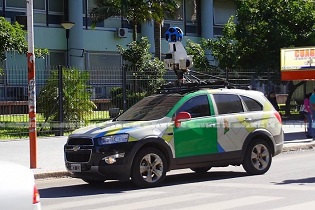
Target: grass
(15, 126)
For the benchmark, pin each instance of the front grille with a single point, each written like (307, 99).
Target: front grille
(80, 156)
(80, 141)
(78, 149)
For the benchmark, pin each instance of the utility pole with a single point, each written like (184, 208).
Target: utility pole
(31, 85)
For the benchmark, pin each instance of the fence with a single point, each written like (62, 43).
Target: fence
(106, 88)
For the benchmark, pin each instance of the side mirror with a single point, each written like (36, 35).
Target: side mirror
(180, 117)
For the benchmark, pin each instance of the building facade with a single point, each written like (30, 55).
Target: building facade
(94, 49)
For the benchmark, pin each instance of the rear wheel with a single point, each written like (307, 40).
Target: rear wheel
(149, 168)
(201, 170)
(257, 158)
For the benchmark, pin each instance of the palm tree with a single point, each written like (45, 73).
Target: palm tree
(160, 9)
(135, 11)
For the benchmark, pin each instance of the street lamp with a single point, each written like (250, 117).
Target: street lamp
(67, 25)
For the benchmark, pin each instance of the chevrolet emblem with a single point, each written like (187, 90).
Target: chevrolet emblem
(76, 148)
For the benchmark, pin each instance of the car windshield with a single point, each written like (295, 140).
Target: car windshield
(150, 108)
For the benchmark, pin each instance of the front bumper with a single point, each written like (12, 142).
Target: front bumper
(88, 161)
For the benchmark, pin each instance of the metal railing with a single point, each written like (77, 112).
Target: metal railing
(107, 88)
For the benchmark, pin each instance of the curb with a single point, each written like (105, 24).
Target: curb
(59, 174)
(290, 147)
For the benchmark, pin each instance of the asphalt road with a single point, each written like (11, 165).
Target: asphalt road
(289, 184)
(50, 157)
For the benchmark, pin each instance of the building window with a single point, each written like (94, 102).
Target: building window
(177, 14)
(16, 4)
(55, 6)
(223, 10)
(54, 10)
(39, 4)
(57, 58)
(192, 17)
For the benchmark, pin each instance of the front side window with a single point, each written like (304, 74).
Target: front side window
(197, 106)
(228, 103)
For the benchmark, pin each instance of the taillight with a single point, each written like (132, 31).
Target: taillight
(278, 116)
(35, 195)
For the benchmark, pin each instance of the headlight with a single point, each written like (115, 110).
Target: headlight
(114, 139)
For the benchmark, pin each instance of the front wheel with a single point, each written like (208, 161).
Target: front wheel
(149, 168)
(257, 158)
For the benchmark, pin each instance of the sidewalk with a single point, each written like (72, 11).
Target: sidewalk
(50, 157)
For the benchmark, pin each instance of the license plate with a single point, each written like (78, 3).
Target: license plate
(75, 167)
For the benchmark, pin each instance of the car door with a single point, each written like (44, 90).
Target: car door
(198, 135)
(234, 122)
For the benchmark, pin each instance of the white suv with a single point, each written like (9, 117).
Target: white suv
(196, 129)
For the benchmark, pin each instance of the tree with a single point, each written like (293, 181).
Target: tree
(160, 9)
(200, 60)
(76, 101)
(136, 11)
(13, 37)
(262, 28)
(149, 71)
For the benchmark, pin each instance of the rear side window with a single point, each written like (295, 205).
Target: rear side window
(228, 103)
(197, 106)
(252, 105)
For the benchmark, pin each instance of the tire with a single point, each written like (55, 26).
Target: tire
(93, 181)
(148, 168)
(201, 170)
(257, 158)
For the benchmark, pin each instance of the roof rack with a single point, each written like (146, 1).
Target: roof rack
(187, 80)
(191, 82)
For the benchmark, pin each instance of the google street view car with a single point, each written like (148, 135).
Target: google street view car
(186, 126)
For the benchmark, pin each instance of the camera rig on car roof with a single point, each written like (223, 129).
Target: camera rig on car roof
(188, 80)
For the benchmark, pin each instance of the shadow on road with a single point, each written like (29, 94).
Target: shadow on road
(115, 187)
(300, 181)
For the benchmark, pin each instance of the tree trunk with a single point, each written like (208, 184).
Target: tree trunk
(157, 40)
(134, 31)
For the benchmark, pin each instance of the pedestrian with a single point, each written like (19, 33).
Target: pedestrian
(306, 112)
(312, 104)
(273, 100)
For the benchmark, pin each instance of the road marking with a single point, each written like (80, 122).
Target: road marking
(306, 205)
(103, 199)
(161, 201)
(261, 186)
(239, 202)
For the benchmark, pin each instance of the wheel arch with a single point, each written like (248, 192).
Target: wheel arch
(259, 134)
(154, 142)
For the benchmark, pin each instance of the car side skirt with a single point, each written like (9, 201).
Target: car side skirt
(212, 160)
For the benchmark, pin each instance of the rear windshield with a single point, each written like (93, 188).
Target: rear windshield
(150, 108)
